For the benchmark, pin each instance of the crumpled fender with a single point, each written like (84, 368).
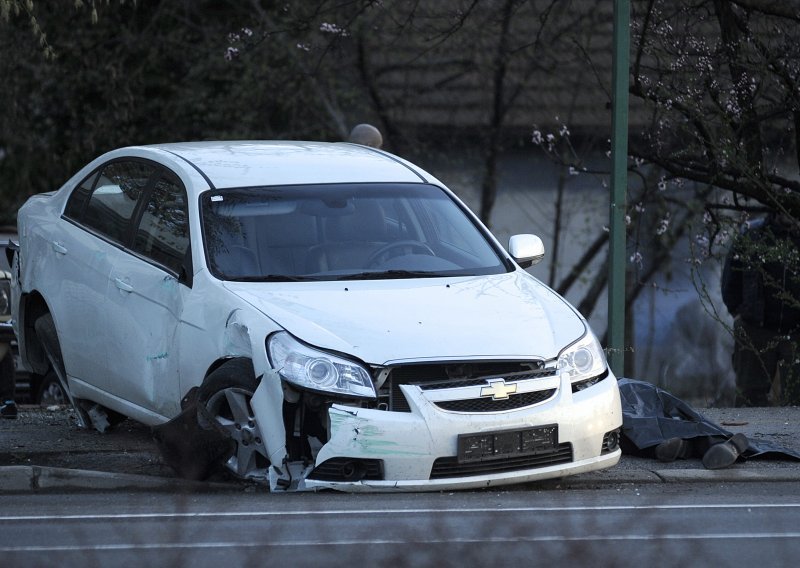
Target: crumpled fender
(267, 400)
(267, 405)
(236, 339)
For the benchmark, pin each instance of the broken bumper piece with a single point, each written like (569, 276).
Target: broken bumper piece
(428, 449)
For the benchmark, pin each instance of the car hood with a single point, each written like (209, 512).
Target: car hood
(506, 316)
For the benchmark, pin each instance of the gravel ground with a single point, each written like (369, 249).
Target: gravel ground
(51, 437)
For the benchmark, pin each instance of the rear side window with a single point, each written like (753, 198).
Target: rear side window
(112, 203)
(163, 232)
(77, 201)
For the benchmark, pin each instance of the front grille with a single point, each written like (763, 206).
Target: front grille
(445, 376)
(481, 381)
(513, 402)
(449, 467)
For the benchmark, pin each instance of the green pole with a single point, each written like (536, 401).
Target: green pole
(619, 186)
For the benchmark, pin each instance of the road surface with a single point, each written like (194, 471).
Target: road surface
(729, 524)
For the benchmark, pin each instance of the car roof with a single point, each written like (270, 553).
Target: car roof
(251, 163)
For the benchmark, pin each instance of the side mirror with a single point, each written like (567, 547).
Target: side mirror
(526, 250)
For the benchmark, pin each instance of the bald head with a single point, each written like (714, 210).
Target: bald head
(366, 135)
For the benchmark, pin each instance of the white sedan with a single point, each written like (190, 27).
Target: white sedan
(332, 313)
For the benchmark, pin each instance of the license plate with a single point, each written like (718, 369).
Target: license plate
(507, 443)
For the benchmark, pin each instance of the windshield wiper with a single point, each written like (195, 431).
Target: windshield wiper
(271, 278)
(390, 274)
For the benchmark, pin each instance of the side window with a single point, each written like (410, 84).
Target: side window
(163, 232)
(79, 197)
(113, 201)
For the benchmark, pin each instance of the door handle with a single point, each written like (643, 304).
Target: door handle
(122, 285)
(59, 248)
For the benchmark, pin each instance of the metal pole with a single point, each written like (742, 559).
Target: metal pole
(619, 186)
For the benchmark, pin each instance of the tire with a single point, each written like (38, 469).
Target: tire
(50, 391)
(48, 336)
(223, 403)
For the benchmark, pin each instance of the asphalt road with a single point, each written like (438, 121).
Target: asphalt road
(738, 524)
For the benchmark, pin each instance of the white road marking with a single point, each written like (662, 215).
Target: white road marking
(384, 541)
(382, 512)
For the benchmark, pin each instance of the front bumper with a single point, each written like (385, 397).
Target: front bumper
(408, 444)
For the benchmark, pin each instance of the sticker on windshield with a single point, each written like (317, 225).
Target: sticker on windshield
(216, 198)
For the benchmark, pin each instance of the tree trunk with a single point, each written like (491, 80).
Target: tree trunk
(494, 138)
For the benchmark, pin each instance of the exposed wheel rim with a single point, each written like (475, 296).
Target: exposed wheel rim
(231, 409)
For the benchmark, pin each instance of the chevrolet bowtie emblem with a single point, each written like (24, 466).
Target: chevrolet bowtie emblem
(498, 389)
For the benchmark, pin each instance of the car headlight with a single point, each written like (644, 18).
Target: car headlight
(317, 370)
(583, 359)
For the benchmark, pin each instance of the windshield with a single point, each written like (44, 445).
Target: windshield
(341, 232)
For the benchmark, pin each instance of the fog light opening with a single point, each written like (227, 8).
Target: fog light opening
(353, 470)
(611, 441)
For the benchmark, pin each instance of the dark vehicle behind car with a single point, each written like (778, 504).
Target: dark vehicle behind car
(30, 388)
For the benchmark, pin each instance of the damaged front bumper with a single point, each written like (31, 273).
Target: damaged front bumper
(379, 450)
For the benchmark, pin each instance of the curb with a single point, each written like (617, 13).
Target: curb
(659, 476)
(726, 475)
(32, 478)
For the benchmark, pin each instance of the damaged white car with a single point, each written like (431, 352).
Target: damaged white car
(308, 315)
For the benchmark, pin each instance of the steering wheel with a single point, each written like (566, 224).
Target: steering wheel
(383, 254)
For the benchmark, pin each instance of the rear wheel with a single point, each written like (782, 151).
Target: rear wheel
(48, 337)
(224, 403)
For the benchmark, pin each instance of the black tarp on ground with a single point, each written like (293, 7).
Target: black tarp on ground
(651, 415)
